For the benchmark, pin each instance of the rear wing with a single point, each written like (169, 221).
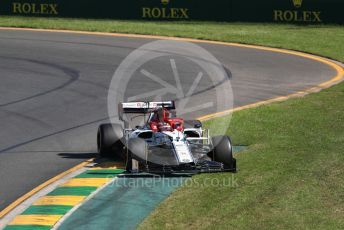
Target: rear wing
(143, 107)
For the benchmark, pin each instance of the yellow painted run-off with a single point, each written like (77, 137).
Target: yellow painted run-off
(46, 220)
(51, 219)
(96, 182)
(59, 200)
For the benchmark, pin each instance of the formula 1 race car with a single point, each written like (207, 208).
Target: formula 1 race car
(164, 143)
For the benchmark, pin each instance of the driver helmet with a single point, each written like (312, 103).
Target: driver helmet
(163, 126)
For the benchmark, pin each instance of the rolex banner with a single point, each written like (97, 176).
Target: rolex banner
(218, 10)
(282, 11)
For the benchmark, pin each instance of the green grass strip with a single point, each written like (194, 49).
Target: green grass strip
(47, 209)
(73, 191)
(27, 227)
(101, 173)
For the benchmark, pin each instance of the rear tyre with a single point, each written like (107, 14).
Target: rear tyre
(223, 152)
(109, 140)
(192, 124)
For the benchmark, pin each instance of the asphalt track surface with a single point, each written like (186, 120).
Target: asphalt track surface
(53, 95)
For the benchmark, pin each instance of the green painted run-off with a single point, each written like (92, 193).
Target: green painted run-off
(73, 191)
(47, 209)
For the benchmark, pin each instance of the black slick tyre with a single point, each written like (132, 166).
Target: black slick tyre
(109, 140)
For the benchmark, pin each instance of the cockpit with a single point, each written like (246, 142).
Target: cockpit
(162, 120)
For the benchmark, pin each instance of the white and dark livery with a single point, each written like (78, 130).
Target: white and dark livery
(164, 143)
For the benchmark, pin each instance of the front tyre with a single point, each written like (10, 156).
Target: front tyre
(109, 140)
(223, 152)
(192, 124)
(137, 150)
